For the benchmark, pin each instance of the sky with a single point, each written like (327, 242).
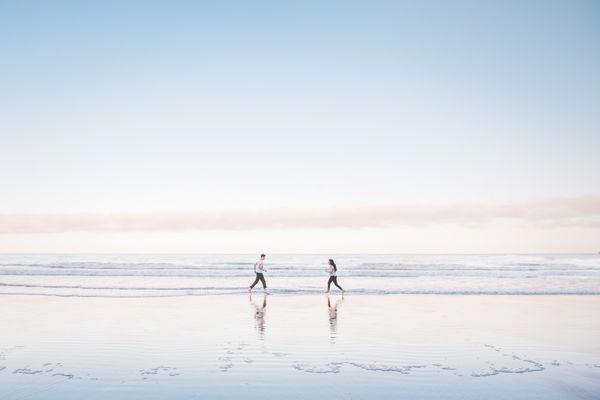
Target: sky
(300, 127)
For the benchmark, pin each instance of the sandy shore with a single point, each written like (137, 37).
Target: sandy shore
(359, 347)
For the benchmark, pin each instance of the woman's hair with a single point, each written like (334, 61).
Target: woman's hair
(332, 264)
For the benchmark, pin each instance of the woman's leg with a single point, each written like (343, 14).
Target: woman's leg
(336, 284)
(331, 278)
(255, 282)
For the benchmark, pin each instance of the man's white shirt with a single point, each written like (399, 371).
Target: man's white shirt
(259, 267)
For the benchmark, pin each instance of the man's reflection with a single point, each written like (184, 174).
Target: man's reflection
(333, 315)
(260, 308)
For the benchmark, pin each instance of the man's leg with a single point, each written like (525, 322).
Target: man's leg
(262, 279)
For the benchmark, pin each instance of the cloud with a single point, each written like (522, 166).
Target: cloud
(576, 211)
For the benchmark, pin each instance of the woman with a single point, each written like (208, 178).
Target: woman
(333, 276)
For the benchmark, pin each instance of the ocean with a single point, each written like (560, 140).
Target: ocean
(143, 275)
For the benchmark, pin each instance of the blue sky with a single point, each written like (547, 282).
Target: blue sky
(181, 106)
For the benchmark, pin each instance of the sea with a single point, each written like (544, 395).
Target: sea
(152, 275)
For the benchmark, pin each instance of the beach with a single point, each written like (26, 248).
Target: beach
(300, 346)
(300, 200)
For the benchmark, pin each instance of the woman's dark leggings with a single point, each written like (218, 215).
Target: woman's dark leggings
(334, 280)
(259, 277)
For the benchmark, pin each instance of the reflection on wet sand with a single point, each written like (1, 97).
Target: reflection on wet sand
(333, 315)
(212, 347)
(260, 310)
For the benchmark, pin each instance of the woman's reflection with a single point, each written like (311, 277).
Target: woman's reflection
(259, 315)
(333, 315)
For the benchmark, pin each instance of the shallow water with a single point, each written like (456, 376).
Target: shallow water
(304, 347)
(183, 275)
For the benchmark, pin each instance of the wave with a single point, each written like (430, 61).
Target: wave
(504, 274)
(173, 275)
(120, 291)
(248, 266)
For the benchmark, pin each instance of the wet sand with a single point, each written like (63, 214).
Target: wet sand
(304, 347)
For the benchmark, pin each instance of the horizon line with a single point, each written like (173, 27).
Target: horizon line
(311, 254)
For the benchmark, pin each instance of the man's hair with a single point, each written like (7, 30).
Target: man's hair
(262, 255)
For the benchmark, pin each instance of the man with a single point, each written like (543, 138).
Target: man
(259, 270)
